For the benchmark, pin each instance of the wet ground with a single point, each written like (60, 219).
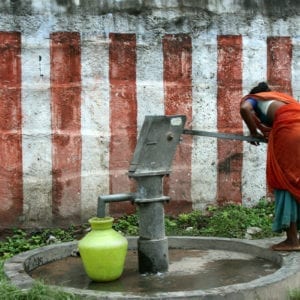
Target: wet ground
(188, 270)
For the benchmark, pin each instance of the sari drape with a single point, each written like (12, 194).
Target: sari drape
(283, 155)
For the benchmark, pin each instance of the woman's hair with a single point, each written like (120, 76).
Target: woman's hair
(261, 87)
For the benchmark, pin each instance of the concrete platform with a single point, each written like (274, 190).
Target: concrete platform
(273, 286)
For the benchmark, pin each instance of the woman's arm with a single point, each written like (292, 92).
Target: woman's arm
(248, 115)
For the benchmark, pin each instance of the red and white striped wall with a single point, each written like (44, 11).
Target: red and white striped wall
(72, 105)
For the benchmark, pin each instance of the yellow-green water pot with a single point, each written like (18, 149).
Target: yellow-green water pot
(103, 250)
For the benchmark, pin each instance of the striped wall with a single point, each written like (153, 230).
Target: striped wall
(72, 104)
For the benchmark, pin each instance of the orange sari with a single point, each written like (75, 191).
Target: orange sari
(283, 157)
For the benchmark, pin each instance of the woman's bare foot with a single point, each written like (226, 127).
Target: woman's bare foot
(287, 246)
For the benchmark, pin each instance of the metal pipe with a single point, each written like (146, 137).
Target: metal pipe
(102, 200)
(223, 135)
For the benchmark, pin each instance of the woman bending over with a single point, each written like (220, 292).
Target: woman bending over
(276, 117)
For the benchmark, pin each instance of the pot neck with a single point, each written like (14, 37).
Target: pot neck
(101, 223)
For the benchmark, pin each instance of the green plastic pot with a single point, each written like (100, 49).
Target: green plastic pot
(103, 250)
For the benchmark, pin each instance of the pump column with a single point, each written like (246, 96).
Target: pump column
(153, 254)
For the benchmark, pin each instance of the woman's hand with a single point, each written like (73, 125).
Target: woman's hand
(256, 128)
(257, 135)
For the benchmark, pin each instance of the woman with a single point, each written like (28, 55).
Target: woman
(276, 117)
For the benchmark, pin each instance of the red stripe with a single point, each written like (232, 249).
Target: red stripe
(177, 52)
(66, 139)
(11, 184)
(123, 114)
(279, 65)
(229, 94)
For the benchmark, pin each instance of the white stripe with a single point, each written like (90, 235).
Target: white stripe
(94, 122)
(296, 68)
(36, 138)
(150, 93)
(254, 158)
(204, 155)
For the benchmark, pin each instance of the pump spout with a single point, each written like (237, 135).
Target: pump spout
(102, 200)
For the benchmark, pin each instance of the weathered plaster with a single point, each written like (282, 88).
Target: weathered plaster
(150, 21)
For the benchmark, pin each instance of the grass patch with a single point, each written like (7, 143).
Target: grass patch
(231, 221)
(39, 291)
(20, 240)
(294, 294)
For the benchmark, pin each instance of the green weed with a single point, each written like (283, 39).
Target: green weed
(128, 225)
(229, 221)
(39, 291)
(294, 294)
(232, 221)
(21, 241)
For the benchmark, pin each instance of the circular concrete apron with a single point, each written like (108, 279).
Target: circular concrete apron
(275, 285)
